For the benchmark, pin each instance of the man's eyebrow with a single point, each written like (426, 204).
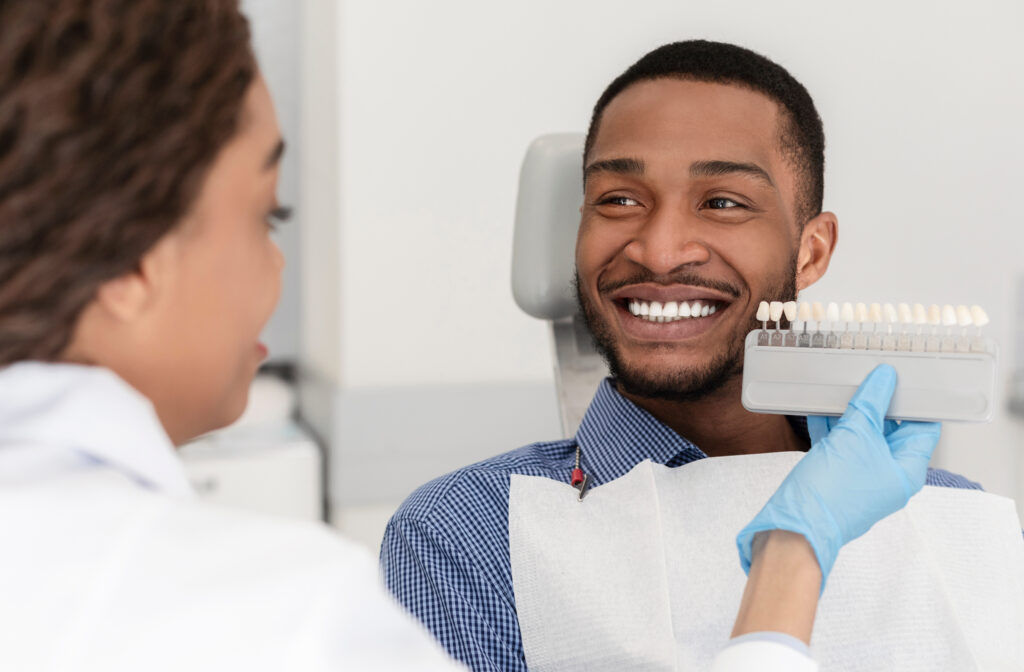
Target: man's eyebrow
(275, 156)
(719, 168)
(620, 166)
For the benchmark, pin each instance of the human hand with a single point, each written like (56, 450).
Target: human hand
(860, 469)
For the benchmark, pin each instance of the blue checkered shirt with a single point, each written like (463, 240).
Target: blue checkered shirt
(445, 553)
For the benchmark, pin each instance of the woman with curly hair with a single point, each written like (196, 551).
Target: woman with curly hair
(138, 165)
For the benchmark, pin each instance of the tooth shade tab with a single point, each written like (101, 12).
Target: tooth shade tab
(818, 311)
(832, 314)
(762, 311)
(804, 314)
(979, 316)
(906, 316)
(948, 316)
(875, 313)
(789, 310)
(963, 316)
(847, 313)
(890, 313)
(934, 315)
(775, 310)
(861, 312)
(920, 314)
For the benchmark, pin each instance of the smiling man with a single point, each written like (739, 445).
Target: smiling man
(703, 176)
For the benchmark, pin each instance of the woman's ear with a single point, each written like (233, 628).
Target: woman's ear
(128, 296)
(817, 242)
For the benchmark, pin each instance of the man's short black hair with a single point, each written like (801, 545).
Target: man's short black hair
(802, 138)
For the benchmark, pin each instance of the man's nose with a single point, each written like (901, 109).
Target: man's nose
(668, 240)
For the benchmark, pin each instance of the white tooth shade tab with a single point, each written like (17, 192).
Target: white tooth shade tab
(979, 316)
(670, 309)
(891, 316)
(763, 312)
(963, 316)
(805, 313)
(861, 312)
(775, 310)
(934, 315)
(920, 314)
(818, 311)
(875, 313)
(832, 313)
(948, 316)
(789, 309)
(906, 316)
(846, 315)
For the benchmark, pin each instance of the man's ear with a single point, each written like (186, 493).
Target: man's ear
(817, 242)
(128, 296)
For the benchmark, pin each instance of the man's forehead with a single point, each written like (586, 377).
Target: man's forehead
(693, 117)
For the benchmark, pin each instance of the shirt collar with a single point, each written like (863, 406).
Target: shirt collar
(90, 411)
(616, 435)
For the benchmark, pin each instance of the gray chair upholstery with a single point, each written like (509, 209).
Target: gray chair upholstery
(543, 265)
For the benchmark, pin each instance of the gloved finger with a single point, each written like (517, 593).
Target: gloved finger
(890, 427)
(818, 426)
(912, 446)
(871, 400)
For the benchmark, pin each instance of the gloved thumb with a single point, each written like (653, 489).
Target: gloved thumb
(873, 396)
(912, 445)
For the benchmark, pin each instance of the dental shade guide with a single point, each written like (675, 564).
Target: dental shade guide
(945, 367)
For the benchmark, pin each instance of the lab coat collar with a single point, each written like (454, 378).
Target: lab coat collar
(616, 435)
(92, 412)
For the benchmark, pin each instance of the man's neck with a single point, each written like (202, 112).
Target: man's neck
(719, 425)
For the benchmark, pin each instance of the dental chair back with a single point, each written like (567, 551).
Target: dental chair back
(543, 265)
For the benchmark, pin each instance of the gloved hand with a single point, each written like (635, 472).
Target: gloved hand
(860, 469)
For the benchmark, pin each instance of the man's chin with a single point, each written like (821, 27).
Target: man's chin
(680, 384)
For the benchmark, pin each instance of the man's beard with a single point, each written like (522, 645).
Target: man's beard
(683, 384)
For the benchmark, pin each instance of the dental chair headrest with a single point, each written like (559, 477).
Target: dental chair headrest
(547, 217)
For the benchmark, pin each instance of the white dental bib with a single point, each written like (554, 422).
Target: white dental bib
(643, 574)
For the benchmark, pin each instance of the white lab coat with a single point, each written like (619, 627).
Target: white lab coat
(107, 562)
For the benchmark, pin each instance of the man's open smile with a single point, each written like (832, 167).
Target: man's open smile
(668, 313)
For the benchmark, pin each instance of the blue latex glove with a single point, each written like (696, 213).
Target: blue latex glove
(860, 469)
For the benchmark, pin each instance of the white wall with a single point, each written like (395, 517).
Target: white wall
(922, 104)
(277, 32)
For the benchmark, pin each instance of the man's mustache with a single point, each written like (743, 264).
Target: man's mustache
(690, 279)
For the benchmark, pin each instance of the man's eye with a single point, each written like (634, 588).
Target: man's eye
(624, 201)
(721, 203)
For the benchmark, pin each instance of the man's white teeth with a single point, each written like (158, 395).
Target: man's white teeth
(671, 311)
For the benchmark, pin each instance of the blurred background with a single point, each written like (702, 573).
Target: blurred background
(398, 351)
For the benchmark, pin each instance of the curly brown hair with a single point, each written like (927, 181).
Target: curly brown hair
(111, 113)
